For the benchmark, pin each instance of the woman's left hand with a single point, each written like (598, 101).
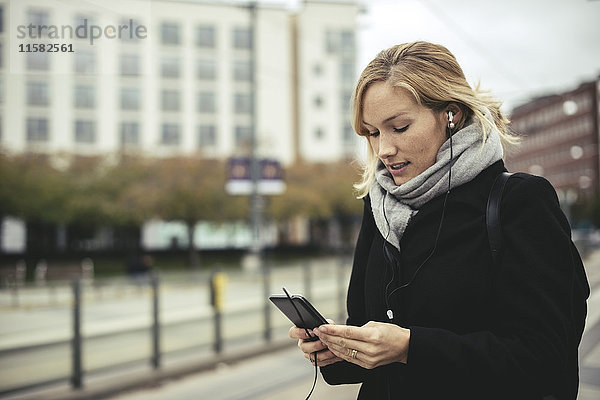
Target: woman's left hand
(371, 345)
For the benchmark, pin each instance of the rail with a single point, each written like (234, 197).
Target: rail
(74, 331)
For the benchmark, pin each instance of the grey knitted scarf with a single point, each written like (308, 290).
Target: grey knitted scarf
(402, 202)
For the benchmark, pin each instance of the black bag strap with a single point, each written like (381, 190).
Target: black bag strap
(492, 216)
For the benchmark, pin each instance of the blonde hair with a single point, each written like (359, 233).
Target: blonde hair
(433, 76)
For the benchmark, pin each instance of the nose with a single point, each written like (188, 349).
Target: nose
(386, 147)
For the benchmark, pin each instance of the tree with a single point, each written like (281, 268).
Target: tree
(187, 189)
(322, 192)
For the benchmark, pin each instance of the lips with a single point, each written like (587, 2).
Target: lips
(398, 166)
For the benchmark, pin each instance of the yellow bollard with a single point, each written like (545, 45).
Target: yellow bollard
(218, 287)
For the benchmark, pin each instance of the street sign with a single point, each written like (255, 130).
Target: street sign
(270, 180)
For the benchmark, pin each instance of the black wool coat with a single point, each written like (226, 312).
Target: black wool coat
(477, 330)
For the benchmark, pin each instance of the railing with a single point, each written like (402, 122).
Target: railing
(66, 333)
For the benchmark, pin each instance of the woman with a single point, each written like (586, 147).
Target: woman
(430, 314)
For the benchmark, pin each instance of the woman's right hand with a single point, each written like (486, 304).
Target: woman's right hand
(324, 355)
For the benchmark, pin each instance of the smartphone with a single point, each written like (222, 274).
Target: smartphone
(311, 318)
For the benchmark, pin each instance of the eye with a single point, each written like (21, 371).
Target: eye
(373, 134)
(400, 130)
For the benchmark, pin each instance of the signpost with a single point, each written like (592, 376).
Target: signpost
(270, 179)
(267, 181)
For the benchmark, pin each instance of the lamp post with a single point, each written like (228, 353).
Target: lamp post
(253, 259)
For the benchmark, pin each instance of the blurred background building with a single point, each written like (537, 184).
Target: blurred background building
(184, 85)
(560, 141)
(164, 78)
(222, 79)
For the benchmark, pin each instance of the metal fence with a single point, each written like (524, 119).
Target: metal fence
(70, 331)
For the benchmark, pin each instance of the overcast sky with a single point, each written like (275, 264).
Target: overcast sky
(516, 48)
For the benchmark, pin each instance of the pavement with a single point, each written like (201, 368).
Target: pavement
(192, 379)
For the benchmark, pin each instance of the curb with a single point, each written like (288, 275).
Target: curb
(108, 387)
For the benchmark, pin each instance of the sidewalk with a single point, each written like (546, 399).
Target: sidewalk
(194, 386)
(589, 349)
(134, 384)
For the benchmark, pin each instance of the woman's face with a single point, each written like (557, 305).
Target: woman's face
(405, 136)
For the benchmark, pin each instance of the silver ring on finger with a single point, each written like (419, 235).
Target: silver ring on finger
(354, 354)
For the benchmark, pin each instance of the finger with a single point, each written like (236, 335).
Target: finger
(298, 333)
(323, 362)
(324, 358)
(325, 355)
(342, 343)
(342, 351)
(346, 331)
(311, 346)
(346, 355)
(329, 362)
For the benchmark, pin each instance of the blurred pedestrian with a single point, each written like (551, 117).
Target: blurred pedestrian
(431, 315)
(139, 268)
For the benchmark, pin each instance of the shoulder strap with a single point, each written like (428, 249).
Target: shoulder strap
(492, 216)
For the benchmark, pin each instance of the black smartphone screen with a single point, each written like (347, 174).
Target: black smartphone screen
(311, 317)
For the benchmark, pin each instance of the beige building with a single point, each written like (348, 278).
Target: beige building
(165, 77)
(176, 77)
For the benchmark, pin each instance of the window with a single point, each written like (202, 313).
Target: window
(318, 101)
(242, 38)
(130, 98)
(205, 36)
(85, 62)
(130, 64)
(81, 19)
(38, 61)
(347, 41)
(242, 103)
(345, 101)
(340, 42)
(206, 69)
(40, 21)
(170, 100)
(37, 130)
(132, 30)
(243, 135)
(319, 133)
(347, 72)
(129, 133)
(242, 70)
(207, 135)
(207, 102)
(85, 132)
(170, 34)
(331, 42)
(85, 96)
(348, 134)
(37, 94)
(169, 134)
(317, 70)
(169, 67)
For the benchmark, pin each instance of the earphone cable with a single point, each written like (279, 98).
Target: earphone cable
(309, 335)
(386, 253)
(437, 236)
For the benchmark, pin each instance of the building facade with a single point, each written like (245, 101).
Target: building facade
(159, 78)
(170, 77)
(560, 140)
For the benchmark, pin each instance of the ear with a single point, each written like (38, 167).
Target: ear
(456, 112)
